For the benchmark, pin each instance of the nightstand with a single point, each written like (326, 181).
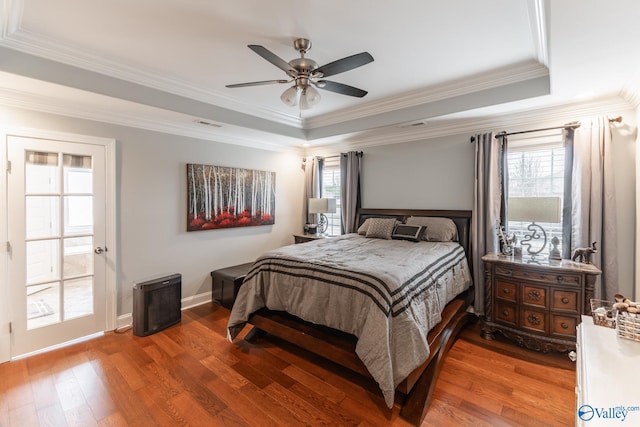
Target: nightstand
(537, 305)
(304, 238)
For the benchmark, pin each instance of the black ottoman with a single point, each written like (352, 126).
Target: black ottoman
(226, 282)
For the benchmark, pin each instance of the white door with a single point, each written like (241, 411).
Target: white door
(56, 232)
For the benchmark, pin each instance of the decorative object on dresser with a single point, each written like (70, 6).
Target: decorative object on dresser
(584, 254)
(534, 209)
(536, 305)
(321, 207)
(226, 282)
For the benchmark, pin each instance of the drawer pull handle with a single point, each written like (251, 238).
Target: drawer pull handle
(533, 319)
(534, 295)
(565, 300)
(560, 279)
(506, 290)
(564, 325)
(505, 313)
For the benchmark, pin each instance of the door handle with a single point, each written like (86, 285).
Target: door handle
(100, 250)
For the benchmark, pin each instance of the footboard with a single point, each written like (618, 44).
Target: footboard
(339, 347)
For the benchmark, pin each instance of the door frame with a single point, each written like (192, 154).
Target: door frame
(111, 279)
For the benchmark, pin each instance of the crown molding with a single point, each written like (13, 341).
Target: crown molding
(32, 44)
(537, 21)
(18, 99)
(631, 90)
(504, 76)
(443, 127)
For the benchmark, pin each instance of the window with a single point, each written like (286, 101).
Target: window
(536, 169)
(331, 189)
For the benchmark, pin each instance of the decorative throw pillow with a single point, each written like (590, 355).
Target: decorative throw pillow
(412, 233)
(437, 229)
(380, 228)
(362, 230)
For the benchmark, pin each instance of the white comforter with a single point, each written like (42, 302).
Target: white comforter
(388, 293)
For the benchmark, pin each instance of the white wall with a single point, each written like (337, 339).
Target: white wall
(431, 174)
(152, 202)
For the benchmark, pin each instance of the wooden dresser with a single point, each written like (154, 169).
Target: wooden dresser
(537, 305)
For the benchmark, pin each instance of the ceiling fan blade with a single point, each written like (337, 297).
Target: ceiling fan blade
(345, 64)
(274, 59)
(263, 82)
(341, 88)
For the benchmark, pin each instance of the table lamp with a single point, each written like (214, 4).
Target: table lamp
(321, 207)
(534, 209)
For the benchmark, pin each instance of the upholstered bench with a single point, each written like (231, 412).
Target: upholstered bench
(226, 282)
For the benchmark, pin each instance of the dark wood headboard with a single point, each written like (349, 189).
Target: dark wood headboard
(462, 219)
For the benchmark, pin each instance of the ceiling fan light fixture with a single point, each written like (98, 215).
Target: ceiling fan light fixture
(290, 96)
(309, 97)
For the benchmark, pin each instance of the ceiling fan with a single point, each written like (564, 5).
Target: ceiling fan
(306, 75)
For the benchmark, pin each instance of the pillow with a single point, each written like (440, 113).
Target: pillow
(362, 230)
(437, 229)
(412, 233)
(380, 228)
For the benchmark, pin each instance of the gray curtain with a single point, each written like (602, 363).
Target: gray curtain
(312, 184)
(594, 201)
(487, 207)
(350, 189)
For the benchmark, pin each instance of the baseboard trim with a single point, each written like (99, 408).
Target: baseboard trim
(125, 320)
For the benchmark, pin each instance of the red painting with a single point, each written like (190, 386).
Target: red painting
(224, 197)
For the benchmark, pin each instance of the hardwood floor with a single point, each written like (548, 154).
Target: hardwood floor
(190, 375)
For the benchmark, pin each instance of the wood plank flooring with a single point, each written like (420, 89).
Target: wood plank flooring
(190, 375)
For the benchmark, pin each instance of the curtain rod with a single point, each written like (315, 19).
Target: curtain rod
(358, 153)
(572, 125)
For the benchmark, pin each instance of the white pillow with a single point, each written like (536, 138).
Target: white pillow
(438, 229)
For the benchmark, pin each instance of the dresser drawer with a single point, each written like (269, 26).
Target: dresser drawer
(533, 320)
(535, 296)
(532, 275)
(563, 326)
(562, 300)
(506, 313)
(506, 290)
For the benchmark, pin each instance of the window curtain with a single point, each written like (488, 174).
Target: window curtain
(350, 189)
(312, 184)
(488, 206)
(593, 216)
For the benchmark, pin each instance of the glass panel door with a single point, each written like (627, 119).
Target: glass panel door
(57, 278)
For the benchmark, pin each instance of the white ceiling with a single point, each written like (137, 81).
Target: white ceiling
(164, 64)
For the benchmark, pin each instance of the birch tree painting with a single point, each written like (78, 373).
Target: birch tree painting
(223, 197)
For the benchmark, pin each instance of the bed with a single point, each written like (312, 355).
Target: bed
(388, 309)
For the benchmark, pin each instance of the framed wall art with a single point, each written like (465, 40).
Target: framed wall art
(224, 197)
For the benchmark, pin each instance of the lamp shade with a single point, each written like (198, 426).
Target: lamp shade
(534, 209)
(317, 206)
(309, 97)
(290, 96)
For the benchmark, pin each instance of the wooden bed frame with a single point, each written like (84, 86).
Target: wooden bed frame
(415, 392)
